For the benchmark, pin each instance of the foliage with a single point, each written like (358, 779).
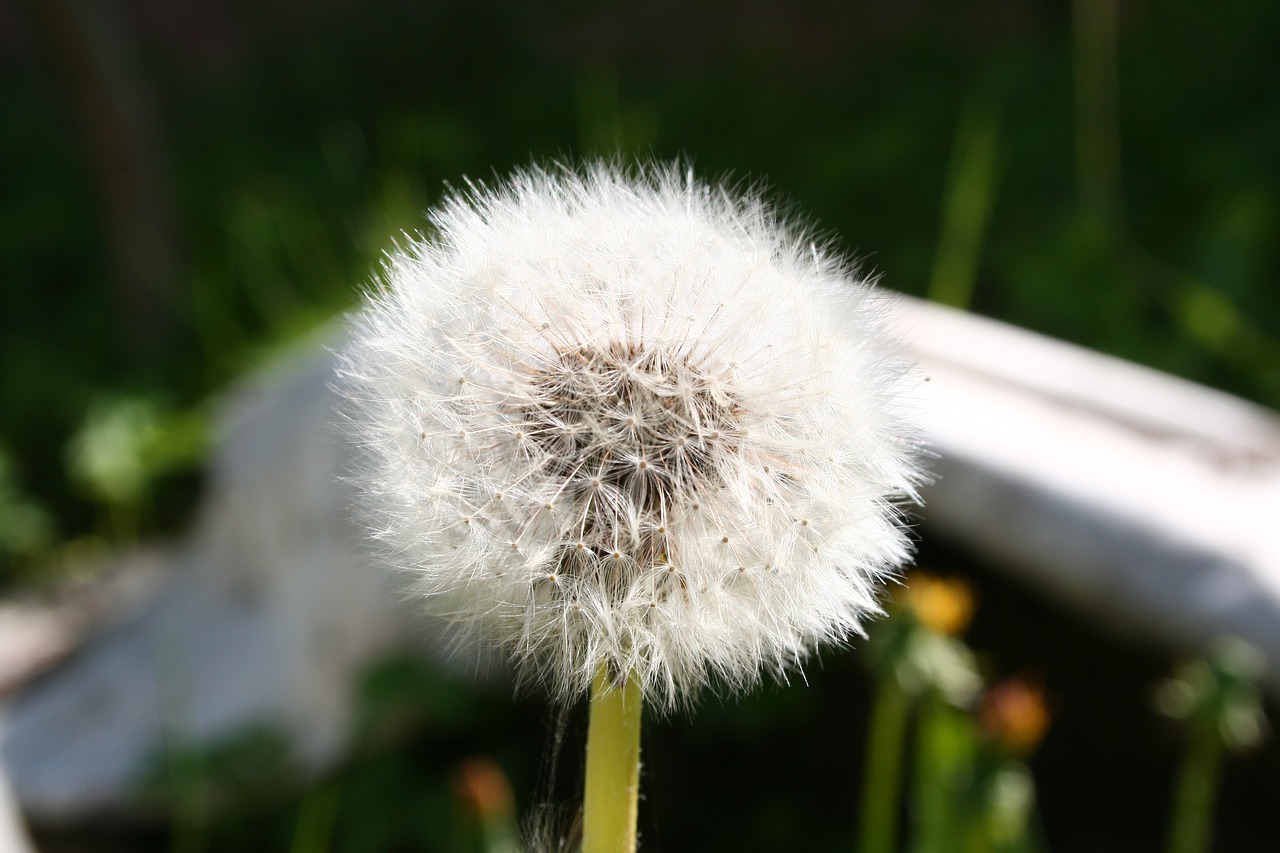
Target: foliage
(301, 144)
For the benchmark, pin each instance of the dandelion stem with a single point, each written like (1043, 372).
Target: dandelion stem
(883, 780)
(1191, 822)
(613, 767)
(934, 821)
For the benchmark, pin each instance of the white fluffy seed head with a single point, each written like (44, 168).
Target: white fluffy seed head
(626, 420)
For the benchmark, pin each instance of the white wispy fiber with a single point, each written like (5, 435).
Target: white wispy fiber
(625, 419)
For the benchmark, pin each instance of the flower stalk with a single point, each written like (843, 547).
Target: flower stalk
(883, 781)
(1191, 824)
(610, 798)
(918, 661)
(1218, 699)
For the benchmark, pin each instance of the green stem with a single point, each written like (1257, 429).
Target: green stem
(1095, 33)
(609, 804)
(934, 767)
(966, 209)
(313, 832)
(1191, 823)
(883, 781)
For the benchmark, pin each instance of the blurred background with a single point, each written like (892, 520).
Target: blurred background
(190, 187)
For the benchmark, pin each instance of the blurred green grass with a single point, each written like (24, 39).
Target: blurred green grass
(1108, 178)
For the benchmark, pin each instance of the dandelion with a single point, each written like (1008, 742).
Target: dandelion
(484, 792)
(1219, 700)
(1014, 717)
(924, 670)
(634, 431)
(942, 605)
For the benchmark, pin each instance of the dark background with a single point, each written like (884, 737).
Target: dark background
(189, 185)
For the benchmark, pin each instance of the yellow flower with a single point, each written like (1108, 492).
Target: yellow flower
(944, 605)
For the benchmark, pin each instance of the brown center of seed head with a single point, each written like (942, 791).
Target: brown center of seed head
(635, 435)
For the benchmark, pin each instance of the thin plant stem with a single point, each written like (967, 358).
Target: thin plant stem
(934, 800)
(114, 105)
(882, 783)
(609, 804)
(1096, 69)
(1191, 822)
(313, 832)
(966, 209)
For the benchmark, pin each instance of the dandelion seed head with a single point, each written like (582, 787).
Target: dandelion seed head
(672, 426)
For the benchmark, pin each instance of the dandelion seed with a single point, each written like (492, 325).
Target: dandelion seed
(639, 406)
